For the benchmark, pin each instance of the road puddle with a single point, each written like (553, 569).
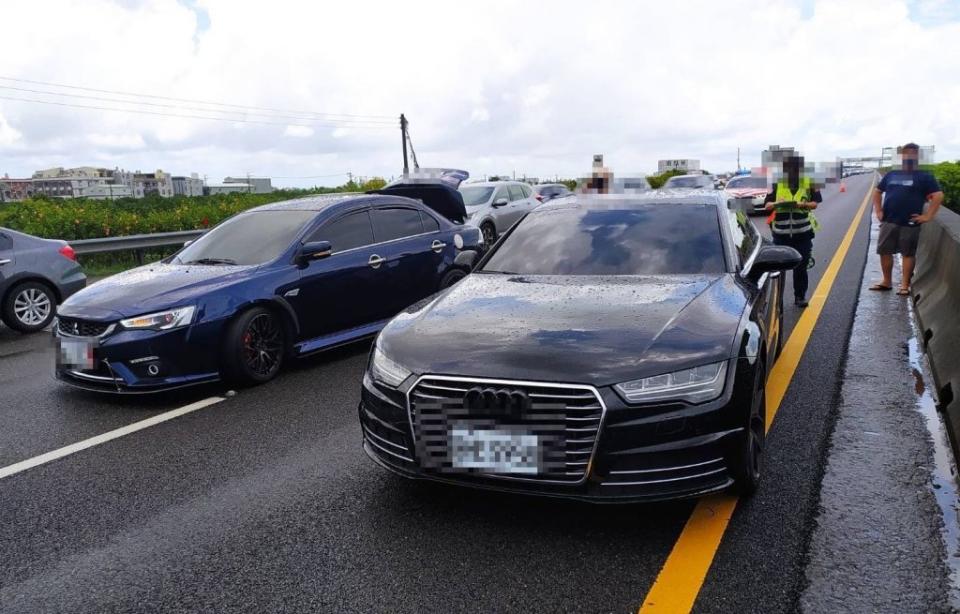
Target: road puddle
(944, 470)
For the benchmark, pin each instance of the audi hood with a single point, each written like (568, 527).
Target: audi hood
(575, 329)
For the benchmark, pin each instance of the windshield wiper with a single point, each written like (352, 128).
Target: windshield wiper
(211, 261)
(500, 272)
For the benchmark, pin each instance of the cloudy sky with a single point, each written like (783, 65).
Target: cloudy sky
(492, 87)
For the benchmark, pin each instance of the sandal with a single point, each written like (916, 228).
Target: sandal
(881, 288)
(903, 292)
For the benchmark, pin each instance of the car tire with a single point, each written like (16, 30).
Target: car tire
(747, 450)
(29, 307)
(451, 277)
(488, 233)
(254, 347)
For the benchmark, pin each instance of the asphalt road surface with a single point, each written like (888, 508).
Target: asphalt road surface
(266, 502)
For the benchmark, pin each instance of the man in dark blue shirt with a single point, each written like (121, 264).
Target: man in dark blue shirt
(899, 203)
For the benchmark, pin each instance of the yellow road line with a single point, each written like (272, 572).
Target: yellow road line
(679, 581)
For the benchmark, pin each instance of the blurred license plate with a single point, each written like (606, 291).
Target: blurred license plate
(493, 450)
(76, 353)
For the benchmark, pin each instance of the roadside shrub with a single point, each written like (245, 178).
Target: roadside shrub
(80, 218)
(948, 175)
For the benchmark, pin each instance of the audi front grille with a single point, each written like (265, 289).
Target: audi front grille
(566, 416)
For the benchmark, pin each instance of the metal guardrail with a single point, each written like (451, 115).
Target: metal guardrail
(134, 243)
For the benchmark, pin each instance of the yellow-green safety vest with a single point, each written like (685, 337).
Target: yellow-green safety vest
(793, 220)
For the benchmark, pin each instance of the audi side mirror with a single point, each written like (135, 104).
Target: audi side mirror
(500, 202)
(772, 258)
(314, 250)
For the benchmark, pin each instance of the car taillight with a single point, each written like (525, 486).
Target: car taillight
(67, 252)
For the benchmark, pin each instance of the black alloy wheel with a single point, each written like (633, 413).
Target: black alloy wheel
(255, 347)
(747, 451)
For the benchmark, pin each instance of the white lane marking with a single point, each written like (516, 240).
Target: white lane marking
(53, 455)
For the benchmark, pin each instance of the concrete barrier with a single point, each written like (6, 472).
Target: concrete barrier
(936, 297)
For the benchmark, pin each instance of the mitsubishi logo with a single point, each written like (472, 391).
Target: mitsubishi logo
(497, 400)
(76, 328)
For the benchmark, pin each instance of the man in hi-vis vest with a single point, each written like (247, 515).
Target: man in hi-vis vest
(791, 202)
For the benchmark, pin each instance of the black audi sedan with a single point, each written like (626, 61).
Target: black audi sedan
(606, 349)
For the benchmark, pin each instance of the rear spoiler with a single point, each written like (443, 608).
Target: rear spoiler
(436, 188)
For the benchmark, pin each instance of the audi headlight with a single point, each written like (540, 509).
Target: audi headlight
(161, 320)
(696, 385)
(385, 370)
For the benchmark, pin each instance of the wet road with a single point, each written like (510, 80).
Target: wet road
(265, 501)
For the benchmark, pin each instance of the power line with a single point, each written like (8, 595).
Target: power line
(200, 109)
(192, 100)
(185, 116)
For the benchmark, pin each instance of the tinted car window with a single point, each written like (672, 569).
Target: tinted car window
(516, 193)
(527, 190)
(642, 239)
(429, 223)
(5, 242)
(747, 182)
(501, 193)
(350, 231)
(476, 195)
(396, 223)
(250, 238)
(744, 234)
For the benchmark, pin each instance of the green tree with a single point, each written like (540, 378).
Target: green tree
(374, 183)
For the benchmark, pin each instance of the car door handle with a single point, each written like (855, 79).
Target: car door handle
(375, 261)
(5, 261)
(437, 245)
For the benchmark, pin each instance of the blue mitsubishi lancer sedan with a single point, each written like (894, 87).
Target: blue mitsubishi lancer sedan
(278, 281)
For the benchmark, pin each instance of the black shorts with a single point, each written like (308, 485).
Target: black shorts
(896, 239)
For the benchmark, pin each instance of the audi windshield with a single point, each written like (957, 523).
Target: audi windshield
(632, 239)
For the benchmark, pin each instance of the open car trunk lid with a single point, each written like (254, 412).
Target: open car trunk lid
(436, 188)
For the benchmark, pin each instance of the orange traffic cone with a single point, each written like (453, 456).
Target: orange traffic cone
(843, 187)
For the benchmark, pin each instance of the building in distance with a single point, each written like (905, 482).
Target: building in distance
(188, 186)
(686, 165)
(257, 185)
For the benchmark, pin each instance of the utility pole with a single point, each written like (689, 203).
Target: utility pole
(350, 177)
(249, 187)
(738, 158)
(403, 137)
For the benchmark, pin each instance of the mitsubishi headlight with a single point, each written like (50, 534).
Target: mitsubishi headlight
(695, 385)
(385, 370)
(161, 320)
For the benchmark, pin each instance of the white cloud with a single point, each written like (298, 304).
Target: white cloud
(298, 131)
(538, 92)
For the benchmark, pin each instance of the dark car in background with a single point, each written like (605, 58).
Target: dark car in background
(605, 349)
(35, 275)
(277, 281)
(545, 192)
